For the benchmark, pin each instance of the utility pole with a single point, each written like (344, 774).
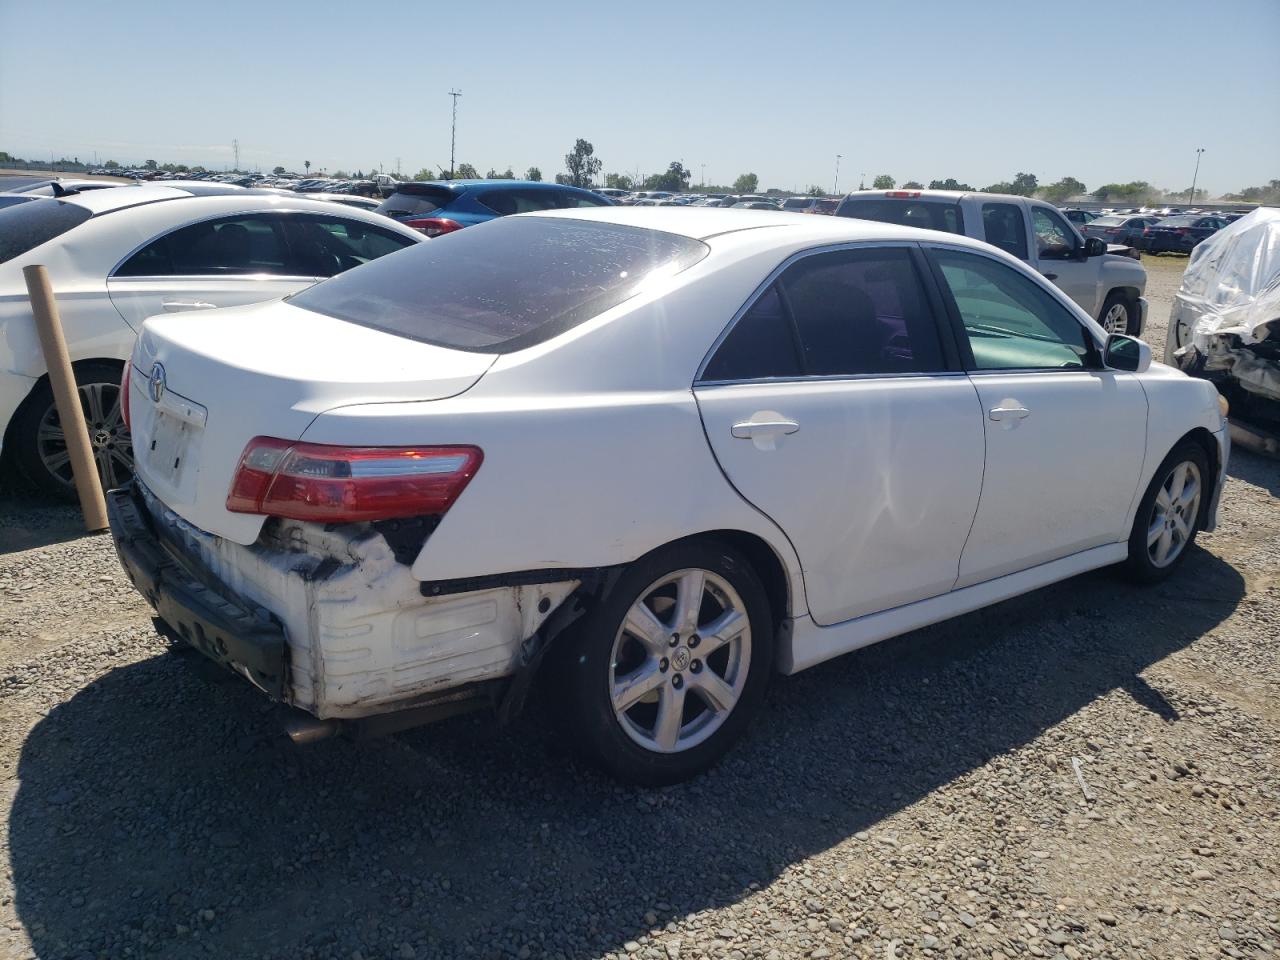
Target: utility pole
(453, 131)
(1195, 177)
(397, 168)
(862, 181)
(235, 148)
(835, 186)
(704, 176)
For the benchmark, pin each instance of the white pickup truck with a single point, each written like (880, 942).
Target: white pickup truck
(1107, 286)
(385, 183)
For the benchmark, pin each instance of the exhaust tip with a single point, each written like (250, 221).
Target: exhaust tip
(307, 729)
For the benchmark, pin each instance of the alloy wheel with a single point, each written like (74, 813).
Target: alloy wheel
(1116, 320)
(108, 437)
(1173, 515)
(680, 661)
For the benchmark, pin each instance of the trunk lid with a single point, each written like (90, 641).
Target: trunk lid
(202, 386)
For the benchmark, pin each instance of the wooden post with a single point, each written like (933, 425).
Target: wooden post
(66, 397)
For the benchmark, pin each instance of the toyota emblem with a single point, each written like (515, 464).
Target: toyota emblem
(156, 384)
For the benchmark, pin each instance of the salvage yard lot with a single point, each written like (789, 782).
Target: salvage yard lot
(915, 799)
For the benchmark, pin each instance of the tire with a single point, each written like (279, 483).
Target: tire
(640, 743)
(36, 438)
(1160, 523)
(1119, 314)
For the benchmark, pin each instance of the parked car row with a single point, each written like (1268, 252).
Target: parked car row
(666, 198)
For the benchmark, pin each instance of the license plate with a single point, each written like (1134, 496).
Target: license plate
(170, 439)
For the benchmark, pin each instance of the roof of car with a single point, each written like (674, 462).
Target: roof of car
(703, 223)
(461, 185)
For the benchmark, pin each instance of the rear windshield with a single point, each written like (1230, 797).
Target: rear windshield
(24, 226)
(1107, 221)
(929, 214)
(797, 203)
(402, 204)
(503, 285)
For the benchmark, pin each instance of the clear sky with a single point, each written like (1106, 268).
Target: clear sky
(1103, 91)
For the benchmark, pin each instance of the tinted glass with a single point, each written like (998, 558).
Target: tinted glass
(929, 214)
(324, 246)
(1107, 222)
(507, 202)
(797, 203)
(759, 346)
(24, 226)
(1011, 323)
(1183, 221)
(235, 245)
(1054, 239)
(861, 312)
(569, 199)
(1004, 227)
(503, 285)
(414, 204)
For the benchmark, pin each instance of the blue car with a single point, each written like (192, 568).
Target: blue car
(435, 207)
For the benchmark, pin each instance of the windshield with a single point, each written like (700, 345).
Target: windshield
(25, 226)
(502, 285)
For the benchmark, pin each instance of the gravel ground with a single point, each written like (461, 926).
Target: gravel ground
(917, 799)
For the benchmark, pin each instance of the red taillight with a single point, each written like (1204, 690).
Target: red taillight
(124, 395)
(903, 194)
(332, 484)
(432, 226)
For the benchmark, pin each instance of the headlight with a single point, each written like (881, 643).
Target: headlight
(1223, 405)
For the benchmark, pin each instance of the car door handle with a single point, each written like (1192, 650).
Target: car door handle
(1008, 412)
(173, 306)
(750, 429)
(1050, 276)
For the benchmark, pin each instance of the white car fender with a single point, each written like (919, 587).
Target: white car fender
(612, 502)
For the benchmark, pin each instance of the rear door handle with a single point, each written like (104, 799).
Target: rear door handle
(174, 306)
(764, 429)
(750, 429)
(1008, 411)
(1050, 276)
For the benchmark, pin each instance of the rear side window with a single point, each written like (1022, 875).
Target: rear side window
(506, 202)
(1003, 227)
(24, 226)
(418, 203)
(844, 313)
(927, 214)
(503, 285)
(227, 247)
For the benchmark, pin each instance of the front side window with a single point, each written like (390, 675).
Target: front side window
(325, 246)
(1054, 239)
(1004, 227)
(226, 247)
(837, 314)
(1010, 322)
(503, 285)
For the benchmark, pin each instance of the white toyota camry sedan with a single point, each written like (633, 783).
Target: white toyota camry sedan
(647, 456)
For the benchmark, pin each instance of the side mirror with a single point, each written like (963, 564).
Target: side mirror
(1093, 247)
(1126, 353)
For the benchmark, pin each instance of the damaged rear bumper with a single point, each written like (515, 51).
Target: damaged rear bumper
(326, 618)
(226, 628)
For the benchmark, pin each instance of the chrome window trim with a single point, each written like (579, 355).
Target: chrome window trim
(205, 277)
(831, 378)
(762, 288)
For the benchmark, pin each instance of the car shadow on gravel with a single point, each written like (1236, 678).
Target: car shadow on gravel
(162, 813)
(1254, 469)
(29, 520)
